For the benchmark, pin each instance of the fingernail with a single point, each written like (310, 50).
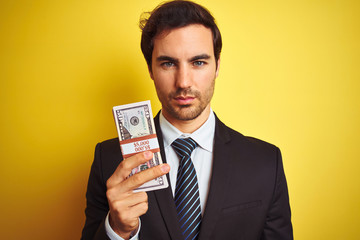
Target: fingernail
(148, 154)
(165, 168)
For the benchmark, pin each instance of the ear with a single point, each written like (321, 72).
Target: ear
(218, 67)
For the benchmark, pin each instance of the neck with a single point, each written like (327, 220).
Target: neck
(189, 126)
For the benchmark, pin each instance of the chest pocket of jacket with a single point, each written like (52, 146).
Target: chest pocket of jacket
(240, 207)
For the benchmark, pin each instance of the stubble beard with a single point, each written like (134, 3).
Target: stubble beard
(191, 111)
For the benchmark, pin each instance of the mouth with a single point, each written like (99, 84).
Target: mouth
(184, 100)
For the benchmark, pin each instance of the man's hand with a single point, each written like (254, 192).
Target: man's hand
(126, 206)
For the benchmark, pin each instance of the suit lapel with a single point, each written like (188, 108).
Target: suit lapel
(219, 180)
(164, 197)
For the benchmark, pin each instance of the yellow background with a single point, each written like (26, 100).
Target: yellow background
(289, 75)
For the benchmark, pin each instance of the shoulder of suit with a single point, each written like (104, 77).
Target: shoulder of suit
(110, 141)
(252, 142)
(109, 146)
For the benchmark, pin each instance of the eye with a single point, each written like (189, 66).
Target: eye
(199, 63)
(167, 64)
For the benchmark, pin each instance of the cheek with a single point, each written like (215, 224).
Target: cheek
(163, 81)
(206, 80)
(161, 88)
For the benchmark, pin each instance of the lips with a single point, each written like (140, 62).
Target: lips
(184, 100)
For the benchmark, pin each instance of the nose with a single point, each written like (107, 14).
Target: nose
(183, 77)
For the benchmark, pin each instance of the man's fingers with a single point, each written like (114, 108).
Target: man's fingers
(127, 186)
(129, 200)
(142, 177)
(125, 167)
(127, 210)
(140, 209)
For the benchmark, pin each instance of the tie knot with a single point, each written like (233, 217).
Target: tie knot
(184, 146)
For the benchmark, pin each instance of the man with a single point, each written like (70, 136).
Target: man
(235, 187)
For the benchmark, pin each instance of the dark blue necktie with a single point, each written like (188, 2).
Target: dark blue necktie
(187, 198)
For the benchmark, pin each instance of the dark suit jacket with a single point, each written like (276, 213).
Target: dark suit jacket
(248, 196)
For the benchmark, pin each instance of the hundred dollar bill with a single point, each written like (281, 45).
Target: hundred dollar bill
(136, 130)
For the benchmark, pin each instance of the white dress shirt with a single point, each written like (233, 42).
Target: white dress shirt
(202, 158)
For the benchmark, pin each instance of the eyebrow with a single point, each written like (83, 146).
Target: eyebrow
(198, 57)
(166, 58)
(171, 59)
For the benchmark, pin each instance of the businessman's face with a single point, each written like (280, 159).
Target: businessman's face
(184, 71)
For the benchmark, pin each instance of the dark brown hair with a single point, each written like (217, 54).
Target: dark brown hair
(176, 14)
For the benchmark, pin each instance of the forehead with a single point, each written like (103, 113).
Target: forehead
(185, 41)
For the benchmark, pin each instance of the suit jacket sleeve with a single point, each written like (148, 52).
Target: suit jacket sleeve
(96, 201)
(278, 221)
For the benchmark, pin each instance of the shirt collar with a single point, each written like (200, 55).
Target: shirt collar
(204, 136)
